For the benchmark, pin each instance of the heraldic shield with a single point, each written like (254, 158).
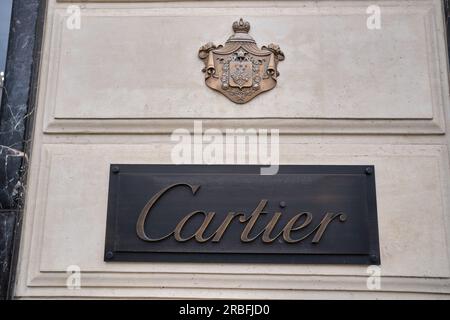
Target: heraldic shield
(239, 69)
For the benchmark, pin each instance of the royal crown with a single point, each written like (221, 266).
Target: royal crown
(241, 26)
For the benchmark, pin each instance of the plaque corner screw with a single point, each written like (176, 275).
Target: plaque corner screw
(373, 258)
(109, 255)
(115, 169)
(282, 204)
(369, 171)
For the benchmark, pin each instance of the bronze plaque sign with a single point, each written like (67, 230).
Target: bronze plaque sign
(239, 69)
(229, 213)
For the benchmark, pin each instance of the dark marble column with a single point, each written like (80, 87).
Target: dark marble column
(16, 121)
(7, 226)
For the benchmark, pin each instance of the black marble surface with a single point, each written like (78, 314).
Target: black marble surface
(16, 120)
(7, 227)
(15, 106)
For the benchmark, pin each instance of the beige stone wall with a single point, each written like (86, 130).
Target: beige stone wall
(114, 90)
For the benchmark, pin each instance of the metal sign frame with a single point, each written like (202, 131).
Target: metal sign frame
(351, 238)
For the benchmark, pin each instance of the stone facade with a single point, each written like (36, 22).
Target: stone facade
(113, 89)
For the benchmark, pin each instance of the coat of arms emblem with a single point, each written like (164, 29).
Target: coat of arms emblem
(239, 69)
